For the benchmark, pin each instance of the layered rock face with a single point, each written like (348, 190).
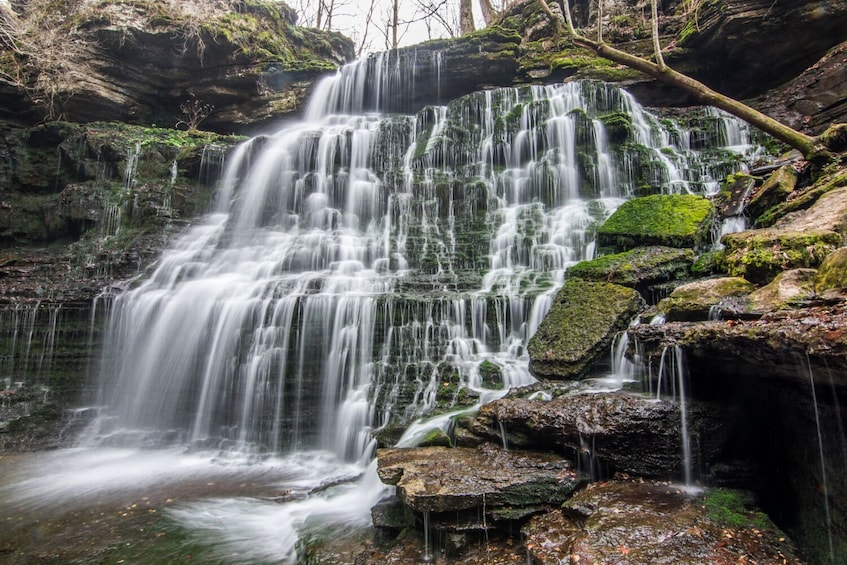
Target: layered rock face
(159, 64)
(730, 37)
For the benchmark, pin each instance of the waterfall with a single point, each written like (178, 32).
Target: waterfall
(364, 269)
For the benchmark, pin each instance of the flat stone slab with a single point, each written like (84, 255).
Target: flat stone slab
(636, 268)
(625, 522)
(694, 301)
(672, 220)
(440, 479)
(631, 433)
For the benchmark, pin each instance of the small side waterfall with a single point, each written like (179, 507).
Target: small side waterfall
(824, 482)
(671, 382)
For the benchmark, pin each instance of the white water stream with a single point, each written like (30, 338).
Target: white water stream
(357, 263)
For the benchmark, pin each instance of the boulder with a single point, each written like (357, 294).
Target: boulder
(832, 185)
(638, 268)
(829, 212)
(832, 275)
(759, 255)
(672, 220)
(787, 290)
(578, 330)
(630, 433)
(699, 300)
(646, 522)
(439, 479)
(730, 200)
(774, 191)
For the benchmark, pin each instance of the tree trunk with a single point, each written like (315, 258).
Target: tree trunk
(800, 141)
(657, 47)
(395, 23)
(466, 24)
(488, 12)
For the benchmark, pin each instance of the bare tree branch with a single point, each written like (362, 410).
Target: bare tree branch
(804, 143)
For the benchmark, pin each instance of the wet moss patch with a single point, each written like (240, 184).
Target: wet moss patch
(580, 326)
(758, 255)
(673, 220)
(636, 268)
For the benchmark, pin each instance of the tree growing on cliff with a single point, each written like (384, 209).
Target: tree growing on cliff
(37, 53)
(658, 69)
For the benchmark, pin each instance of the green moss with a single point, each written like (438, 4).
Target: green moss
(775, 190)
(832, 274)
(758, 255)
(491, 374)
(706, 264)
(674, 220)
(618, 126)
(436, 438)
(636, 267)
(582, 321)
(734, 509)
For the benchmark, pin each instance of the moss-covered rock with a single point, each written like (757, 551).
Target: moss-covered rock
(638, 268)
(835, 137)
(832, 274)
(774, 191)
(788, 289)
(579, 328)
(758, 255)
(706, 264)
(694, 301)
(673, 220)
(618, 126)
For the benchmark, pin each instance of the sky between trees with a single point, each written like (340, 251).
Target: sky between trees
(369, 22)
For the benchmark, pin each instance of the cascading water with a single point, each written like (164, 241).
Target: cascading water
(359, 265)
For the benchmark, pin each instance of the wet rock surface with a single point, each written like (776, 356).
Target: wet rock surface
(438, 479)
(578, 330)
(778, 343)
(695, 300)
(647, 522)
(624, 432)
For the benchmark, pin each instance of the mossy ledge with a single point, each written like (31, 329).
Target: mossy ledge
(759, 255)
(672, 220)
(637, 268)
